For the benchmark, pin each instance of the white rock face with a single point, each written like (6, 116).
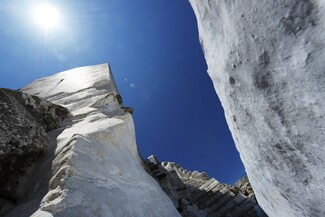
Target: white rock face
(267, 61)
(96, 170)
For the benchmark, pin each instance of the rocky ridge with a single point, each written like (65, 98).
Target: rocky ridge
(195, 194)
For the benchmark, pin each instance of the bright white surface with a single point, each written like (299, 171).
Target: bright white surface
(97, 170)
(266, 60)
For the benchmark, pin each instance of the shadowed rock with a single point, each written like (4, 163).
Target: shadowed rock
(24, 121)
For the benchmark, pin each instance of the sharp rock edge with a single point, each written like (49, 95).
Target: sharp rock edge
(92, 166)
(266, 60)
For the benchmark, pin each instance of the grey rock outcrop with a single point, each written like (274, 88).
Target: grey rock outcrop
(195, 194)
(24, 121)
(266, 60)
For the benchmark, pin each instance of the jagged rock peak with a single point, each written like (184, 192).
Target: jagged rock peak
(184, 173)
(195, 194)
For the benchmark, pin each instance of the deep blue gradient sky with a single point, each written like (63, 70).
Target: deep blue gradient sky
(154, 52)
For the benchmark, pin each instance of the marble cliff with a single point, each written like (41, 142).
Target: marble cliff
(266, 60)
(89, 165)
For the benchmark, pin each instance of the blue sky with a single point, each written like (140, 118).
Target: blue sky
(154, 52)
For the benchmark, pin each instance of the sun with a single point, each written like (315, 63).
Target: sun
(47, 16)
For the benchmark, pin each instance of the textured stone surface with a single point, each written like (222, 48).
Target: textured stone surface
(244, 186)
(24, 121)
(195, 194)
(266, 60)
(93, 167)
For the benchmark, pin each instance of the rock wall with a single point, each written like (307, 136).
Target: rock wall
(92, 166)
(266, 60)
(195, 194)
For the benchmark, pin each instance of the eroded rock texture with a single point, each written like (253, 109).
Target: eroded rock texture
(92, 167)
(195, 194)
(24, 121)
(244, 186)
(266, 60)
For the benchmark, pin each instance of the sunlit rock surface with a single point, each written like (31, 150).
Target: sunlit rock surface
(92, 167)
(266, 60)
(195, 194)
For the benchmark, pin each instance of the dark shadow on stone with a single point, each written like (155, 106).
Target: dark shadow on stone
(26, 150)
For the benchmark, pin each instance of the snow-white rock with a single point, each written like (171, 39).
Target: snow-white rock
(266, 60)
(95, 169)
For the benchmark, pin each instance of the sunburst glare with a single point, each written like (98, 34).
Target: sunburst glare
(47, 16)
